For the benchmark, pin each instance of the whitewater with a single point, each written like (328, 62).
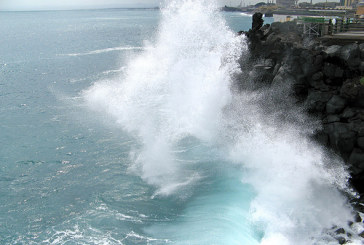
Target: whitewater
(176, 98)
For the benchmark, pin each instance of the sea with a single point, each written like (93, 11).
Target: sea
(120, 126)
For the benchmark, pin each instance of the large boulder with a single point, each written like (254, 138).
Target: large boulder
(329, 70)
(319, 60)
(317, 76)
(316, 100)
(357, 161)
(284, 76)
(361, 47)
(333, 118)
(350, 54)
(348, 113)
(360, 142)
(257, 21)
(357, 126)
(349, 51)
(335, 105)
(318, 84)
(307, 61)
(360, 98)
(360, 115)
(349, 90)
(333, 71)
(354, 92)
(292, 38)
(341, 137)
(276, 26)
(293, 66)
(361, 67)
(333, 50)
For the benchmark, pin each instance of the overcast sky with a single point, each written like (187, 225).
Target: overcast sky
(80, 4)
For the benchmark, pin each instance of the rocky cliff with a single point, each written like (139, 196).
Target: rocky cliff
(326, 81)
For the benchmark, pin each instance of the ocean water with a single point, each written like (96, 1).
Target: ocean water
(120, 127)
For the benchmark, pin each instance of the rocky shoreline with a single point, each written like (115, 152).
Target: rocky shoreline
(327, 81)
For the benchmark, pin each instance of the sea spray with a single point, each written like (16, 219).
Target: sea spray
(176, 88)
(297, 195)
(179, 88)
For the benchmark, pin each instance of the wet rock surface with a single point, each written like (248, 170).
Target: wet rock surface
(327, 80)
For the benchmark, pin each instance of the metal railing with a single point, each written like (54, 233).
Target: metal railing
(320, 26)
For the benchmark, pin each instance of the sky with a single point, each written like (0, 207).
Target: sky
(85, 4)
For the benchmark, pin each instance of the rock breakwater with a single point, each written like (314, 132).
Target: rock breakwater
(326, 80)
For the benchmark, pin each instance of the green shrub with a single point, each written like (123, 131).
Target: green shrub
(362, 81)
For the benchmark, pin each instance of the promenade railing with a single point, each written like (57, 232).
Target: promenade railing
(321, 26)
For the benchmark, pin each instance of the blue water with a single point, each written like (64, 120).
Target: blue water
(64, 175)
(133, 173)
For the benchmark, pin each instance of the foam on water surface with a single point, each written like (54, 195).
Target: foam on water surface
(102, 51)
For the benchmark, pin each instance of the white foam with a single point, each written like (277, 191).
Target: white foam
(245, 14)
(169, 91)
(113, 71)
(106, 50)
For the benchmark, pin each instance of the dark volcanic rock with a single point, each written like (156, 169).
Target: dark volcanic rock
(329, 70)
(360, 142)
(284, 76)
(325, 79)
(341, 137)
(357, 217)
(357, 158)
(348, 113)
(349, 90)
(257, 21)
(316, 100)
(340, 231)
(351, 54)
(357, 126)
(361, 67)
(319, 59)
(361, 47)
(333, 50)
(360, 98)
(276, 27)
(357, 169)
(317, 76)
(341, 240)
(333, 118)
(307, 63)
(335, 105)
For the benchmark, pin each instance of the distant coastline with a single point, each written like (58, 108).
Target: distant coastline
(289, 11)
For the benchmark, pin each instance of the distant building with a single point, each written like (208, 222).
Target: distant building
(360, 8)
(343, 7)
(304, 5)
(327, 4)
(348, 3)
(286, 3)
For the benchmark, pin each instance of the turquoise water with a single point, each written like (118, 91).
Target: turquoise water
(110, 134)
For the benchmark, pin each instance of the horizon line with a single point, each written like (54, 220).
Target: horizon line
(78, 9)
